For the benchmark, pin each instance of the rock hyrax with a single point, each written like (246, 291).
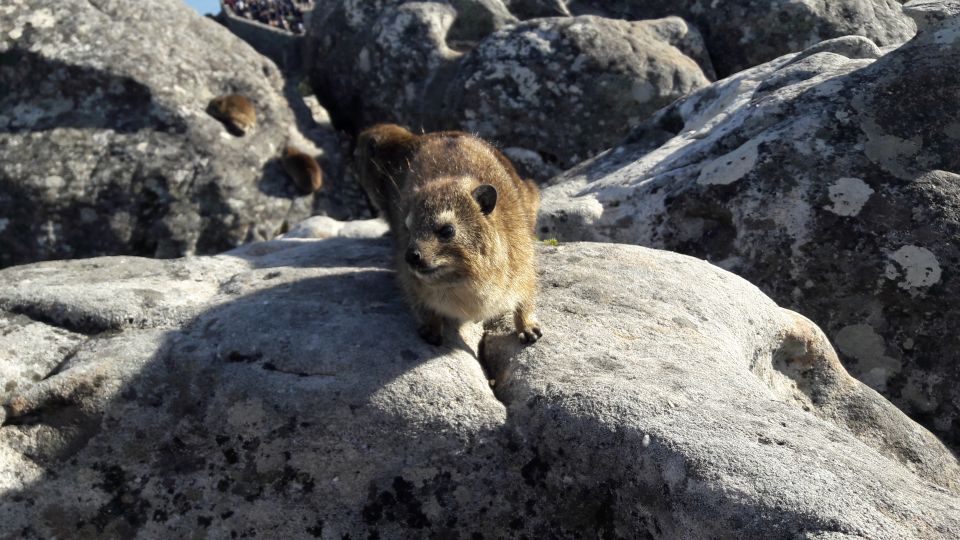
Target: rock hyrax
(235, 111)
(303, 169)
(464, 226)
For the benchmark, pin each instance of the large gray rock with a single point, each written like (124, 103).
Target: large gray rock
(562, 89)
(668, 398)
(376, 60)
(105, 143)
(828, 179)
(745, 33)
(568, 88)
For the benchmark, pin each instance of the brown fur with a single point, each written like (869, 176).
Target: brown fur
(303, 169)
(425, 182)
(235, 111)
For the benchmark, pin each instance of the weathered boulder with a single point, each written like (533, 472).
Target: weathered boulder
(375, 61)
(562, 88)
(828, 179)
(744, 33)
(105, 143)
(929, 12)
(668, 398)
(568, 88)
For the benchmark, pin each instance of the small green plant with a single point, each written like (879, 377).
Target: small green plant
(551, 242)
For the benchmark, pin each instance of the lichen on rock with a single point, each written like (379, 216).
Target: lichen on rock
(823, 177)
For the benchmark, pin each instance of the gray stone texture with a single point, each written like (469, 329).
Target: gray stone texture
(280, 390)
(105, 144)
(569, 88)
(828, 179)
(743, 33)
(562, 88)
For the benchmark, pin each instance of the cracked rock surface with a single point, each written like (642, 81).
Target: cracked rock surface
(668, 398)
(106, 146)
(827, 179)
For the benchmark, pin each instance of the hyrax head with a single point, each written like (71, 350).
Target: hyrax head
(235, 111)
(450, 210)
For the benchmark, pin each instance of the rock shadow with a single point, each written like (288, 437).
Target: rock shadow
(32, 232)
(151, 432)
(41, 94)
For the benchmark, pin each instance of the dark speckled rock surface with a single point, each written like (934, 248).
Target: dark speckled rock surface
(106, 146)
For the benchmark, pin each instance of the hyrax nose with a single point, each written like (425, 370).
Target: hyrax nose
(414, 257)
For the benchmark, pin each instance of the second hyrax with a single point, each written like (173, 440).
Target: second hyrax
(464, 224)
(235, 111)
(303, 169)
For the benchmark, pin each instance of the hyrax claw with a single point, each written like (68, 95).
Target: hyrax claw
(531, 335)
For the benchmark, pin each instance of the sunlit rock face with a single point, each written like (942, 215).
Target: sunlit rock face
(828, 179)
(554, 91)
(742, 33)
(667, 399)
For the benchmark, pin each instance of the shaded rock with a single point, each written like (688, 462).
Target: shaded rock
(476, 19)
(668, 398)
(106, 144)
(740, 34)
(530, 164)
(568, 88)
(824, 178)
(342, 199)
(533, 9)
(395, 70)
(372, 61)
(685, 38)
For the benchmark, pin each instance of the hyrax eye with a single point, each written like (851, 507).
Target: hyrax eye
(446, 232)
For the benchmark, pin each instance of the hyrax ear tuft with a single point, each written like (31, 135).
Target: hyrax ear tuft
(486, 197)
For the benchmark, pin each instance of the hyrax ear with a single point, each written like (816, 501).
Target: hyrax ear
(385, 142)
(486, 197)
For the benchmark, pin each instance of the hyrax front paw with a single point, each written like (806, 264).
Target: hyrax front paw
(530, 333)
(431, 333)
